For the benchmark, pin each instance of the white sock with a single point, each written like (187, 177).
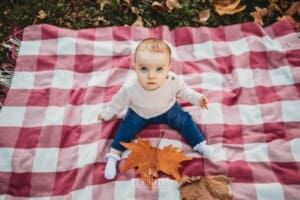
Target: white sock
(206, 150)
(111, 166)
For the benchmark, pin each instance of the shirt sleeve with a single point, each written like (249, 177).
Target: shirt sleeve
(116, 105)
(185, 92)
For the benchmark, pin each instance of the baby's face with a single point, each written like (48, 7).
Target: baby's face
(152, 68)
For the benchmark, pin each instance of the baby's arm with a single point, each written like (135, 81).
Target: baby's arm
(187, 93)
(116, 105)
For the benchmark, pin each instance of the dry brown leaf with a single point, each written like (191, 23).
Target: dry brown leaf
(135, 10)
(171, 4)
(228, 7)
(159, 7)
(41, 14)
(102, 3)
(273, 5)
(222, 2)
(294, 8)
(208, 188)
(291, 20)
(259, 14)
(203, 16)
(149, 160)
(138, 22)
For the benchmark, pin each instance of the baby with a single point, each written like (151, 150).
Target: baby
(151, 99)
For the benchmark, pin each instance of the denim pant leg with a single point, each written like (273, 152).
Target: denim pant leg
(183, 122)
(129, 127)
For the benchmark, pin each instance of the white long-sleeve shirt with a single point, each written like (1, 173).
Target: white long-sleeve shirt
(150, 103)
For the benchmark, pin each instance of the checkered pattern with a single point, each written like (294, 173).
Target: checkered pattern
(53, 147)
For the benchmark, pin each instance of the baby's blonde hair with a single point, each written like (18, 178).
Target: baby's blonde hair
(154, 45)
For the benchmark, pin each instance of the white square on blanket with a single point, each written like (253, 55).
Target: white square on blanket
(290, 111)
(168, 189)
(23, 80)
(62, 79)
(87, 154)
(212, 81)
(54, 116)
(256, 152)
(89, 114)
(245, 77)
(213, 115)
(250, 114)
(45, 160)
(99, 78)
(271, 45)
(125, 189)
(6, 159)
(103, 48)
(295, 144)
(281, 76)
(269, 191)
(30, 47)
(40, 198)
(85, 193)
(239, 47)
(12, 116)
(204, 50)
(66, 46)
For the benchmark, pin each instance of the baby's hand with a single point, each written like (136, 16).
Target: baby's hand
(203, 102)
(100, 117)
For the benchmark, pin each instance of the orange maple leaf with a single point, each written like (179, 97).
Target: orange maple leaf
(149, 160)
(228, 7)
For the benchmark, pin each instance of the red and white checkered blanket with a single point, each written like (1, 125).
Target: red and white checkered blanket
(53, 147)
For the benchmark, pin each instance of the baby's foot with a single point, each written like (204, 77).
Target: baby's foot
(111, 166)
(206, 150)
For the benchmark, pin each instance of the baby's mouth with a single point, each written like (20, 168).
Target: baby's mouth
(151, 83)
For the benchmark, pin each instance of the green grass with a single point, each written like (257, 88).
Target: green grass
(79, 14)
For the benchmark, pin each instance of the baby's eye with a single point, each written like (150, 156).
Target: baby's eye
(144, 69)
(159, 69)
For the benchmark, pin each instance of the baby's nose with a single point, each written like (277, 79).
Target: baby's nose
(151, 75)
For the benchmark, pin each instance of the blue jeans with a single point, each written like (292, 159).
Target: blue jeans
(175, 117)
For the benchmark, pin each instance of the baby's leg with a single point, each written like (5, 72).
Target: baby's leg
(129, 127)
(183, 122)
(111, 165)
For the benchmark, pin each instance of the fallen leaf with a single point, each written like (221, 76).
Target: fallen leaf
(259, 14)
(222, 2)
(203, 16)
(292, 21)
(171, 4)
(293, 9)
(273, 6)
(41, 14)
(159, 7)
(149, 160)
(228, 7)
(135, 10)
(208, 188)
(102, 3)
(138, 22)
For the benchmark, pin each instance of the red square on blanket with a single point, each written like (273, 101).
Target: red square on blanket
(64, 182)
(28, 137)
(20, 184)
(42, 184)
